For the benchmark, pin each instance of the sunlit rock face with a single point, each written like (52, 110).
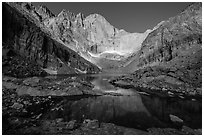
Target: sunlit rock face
(99, 30)
(170, 57)
(176, 42)
(44, 12)
(112, 49)
(24, 35)
(93, 35)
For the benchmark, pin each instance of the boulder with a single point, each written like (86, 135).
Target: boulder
(34, 81)
(175, 118)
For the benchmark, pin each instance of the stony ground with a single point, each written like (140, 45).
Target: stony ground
(26, 102)
(27, 97)
(163, 79)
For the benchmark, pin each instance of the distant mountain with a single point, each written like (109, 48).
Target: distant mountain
(92, 37)
(93, 34)
(30, 49)
(176, 40)
(170, 58)
(54, 38)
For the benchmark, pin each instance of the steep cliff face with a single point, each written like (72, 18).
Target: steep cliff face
(171, 55)
(93, 36)
(44, 12)
(174, 37)
(173, 43)
(24, 36)
(179, 38)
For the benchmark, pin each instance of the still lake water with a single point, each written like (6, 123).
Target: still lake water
(135, 109)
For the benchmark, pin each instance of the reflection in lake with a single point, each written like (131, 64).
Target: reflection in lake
(101, 83)
(134, 110)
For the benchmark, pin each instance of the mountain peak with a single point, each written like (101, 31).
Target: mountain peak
(27, 6)
(66, 14)
(44, 12)
(80, 15)
(95, 16)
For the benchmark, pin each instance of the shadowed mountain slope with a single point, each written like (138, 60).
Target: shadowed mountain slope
(24, 37)
(170, 57)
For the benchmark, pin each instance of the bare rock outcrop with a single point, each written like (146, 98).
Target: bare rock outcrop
(23, 36)
(170, 57)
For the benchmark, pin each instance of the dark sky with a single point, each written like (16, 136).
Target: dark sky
(130, 16)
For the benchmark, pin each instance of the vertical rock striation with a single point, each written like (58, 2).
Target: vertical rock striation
(171, 55)
(22, 35)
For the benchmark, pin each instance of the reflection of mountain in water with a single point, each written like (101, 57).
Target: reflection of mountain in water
(101, 83)
(131, 110)
(122, 110)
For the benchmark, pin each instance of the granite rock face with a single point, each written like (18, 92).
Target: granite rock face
(44, 12)
(170, 57)
(96, 40)
(178, 38)
(24, 36)
(170, 53)
(93, 37)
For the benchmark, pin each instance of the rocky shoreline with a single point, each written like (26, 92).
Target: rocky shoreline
(25, 105)
(161, 79)
(166, 61)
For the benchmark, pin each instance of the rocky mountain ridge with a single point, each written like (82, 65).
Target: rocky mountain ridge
(170, 57)
(23, 36)
(163, 87)
(174, 44)
(173, 40)
(92, 37)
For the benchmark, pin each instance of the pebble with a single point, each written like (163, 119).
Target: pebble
(144, 93)
(181, 97)
(93, 124)
(39, 116)
(59, 120)
(71, 124)
(170, 93)
(49, 87)
(17, 106)
(175, 118)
